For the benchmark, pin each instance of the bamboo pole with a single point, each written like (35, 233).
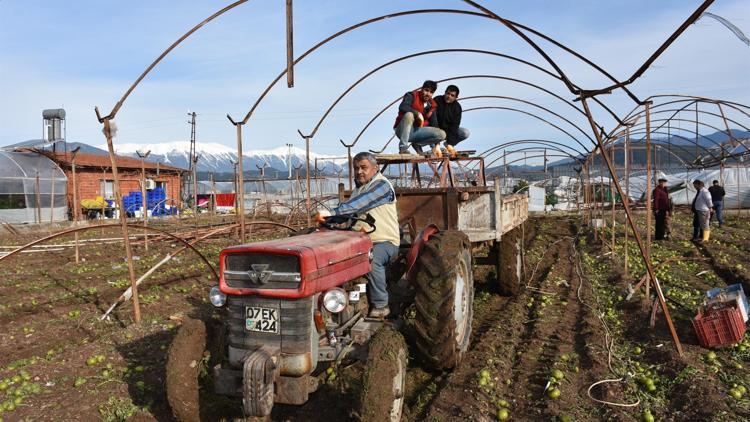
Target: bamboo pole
(647, 107)
(123, 221)
(38, 200)
(143, 197)
(627, 159)
(612, 194)
(647, 261)
(240, 183)
(52, 198)
(76, 207)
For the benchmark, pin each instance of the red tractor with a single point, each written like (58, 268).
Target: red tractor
(294, 305)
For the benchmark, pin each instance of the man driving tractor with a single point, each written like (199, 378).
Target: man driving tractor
(374, 195)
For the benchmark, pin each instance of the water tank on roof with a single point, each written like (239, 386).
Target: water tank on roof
(53, 113)
(54, 124)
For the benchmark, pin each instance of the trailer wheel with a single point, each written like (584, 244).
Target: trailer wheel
(508, 265)
(183, 361)
(384, 380)
(444, 299)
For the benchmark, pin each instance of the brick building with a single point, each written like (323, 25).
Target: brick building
(94, 176)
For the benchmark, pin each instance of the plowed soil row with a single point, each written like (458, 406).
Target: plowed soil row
(545, 328)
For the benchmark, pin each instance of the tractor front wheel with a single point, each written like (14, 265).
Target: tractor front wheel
(444, 299)
(183, 361)
(384, 380)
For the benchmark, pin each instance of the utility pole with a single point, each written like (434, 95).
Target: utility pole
(143, 156)
(289, 160)
(192, 157)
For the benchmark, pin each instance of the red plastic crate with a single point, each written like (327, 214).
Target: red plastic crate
(719, 326)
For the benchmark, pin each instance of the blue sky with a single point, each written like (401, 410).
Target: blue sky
(80, 54)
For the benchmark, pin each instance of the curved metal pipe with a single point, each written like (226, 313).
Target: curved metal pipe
(516, 151)
(138, 226)
(526, 141)
(684, 147)
(453, 11)
(119, 103)
(677, 111)
(422, 53)
(391, 104)
(639, 72)
(528, 40)
(735, 105)
(528, 114)
(529, 157)
(533, 105)
(656, 144)
(134, 226)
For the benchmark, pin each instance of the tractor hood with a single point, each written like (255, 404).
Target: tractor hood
(322, 259)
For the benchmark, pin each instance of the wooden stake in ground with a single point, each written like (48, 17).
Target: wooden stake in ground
(76, 206)
(143, 196)
(612, 194)
(108, 133)
(628, 213)
(627, 193)
(648, 188)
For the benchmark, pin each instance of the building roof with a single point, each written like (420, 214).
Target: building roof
(103, 161)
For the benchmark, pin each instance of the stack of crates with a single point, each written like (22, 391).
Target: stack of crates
(133, 202)
(721, 321)
(155, 201)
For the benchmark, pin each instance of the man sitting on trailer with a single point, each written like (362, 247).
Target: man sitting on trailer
(374, 195)
(449, 118)
(416, 123)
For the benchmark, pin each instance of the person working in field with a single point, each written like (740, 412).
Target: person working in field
(661, 209)
(374, 195)
(416, 124)
(702, 207)
(449, 118)
(717, 197)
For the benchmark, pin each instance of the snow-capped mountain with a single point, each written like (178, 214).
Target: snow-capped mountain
(213, 157)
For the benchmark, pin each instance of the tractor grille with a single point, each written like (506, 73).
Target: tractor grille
(260, 271)
(295, 323)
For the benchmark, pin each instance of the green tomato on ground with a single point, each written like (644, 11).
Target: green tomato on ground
(646, 416)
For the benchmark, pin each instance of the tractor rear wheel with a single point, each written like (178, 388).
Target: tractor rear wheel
(444, 299)
(183, 362)
(384, 380)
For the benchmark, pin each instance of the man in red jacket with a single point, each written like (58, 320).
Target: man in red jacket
(416, 123)
(661, 208)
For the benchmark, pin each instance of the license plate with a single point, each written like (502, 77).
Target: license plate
(262, 320)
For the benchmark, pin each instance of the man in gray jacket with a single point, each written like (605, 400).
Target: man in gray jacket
(702, 207)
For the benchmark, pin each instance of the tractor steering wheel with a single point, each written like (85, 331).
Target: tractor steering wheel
(347, 222)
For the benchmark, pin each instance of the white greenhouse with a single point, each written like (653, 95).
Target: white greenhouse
(33, 188)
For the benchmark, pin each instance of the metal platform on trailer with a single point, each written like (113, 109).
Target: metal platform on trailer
(444, 174)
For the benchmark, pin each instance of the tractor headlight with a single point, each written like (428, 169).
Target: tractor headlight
(217, 298)
(335, 300)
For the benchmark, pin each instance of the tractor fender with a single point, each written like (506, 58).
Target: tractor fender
(416, 248)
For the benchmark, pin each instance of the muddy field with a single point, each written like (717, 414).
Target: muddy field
(571, 346)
